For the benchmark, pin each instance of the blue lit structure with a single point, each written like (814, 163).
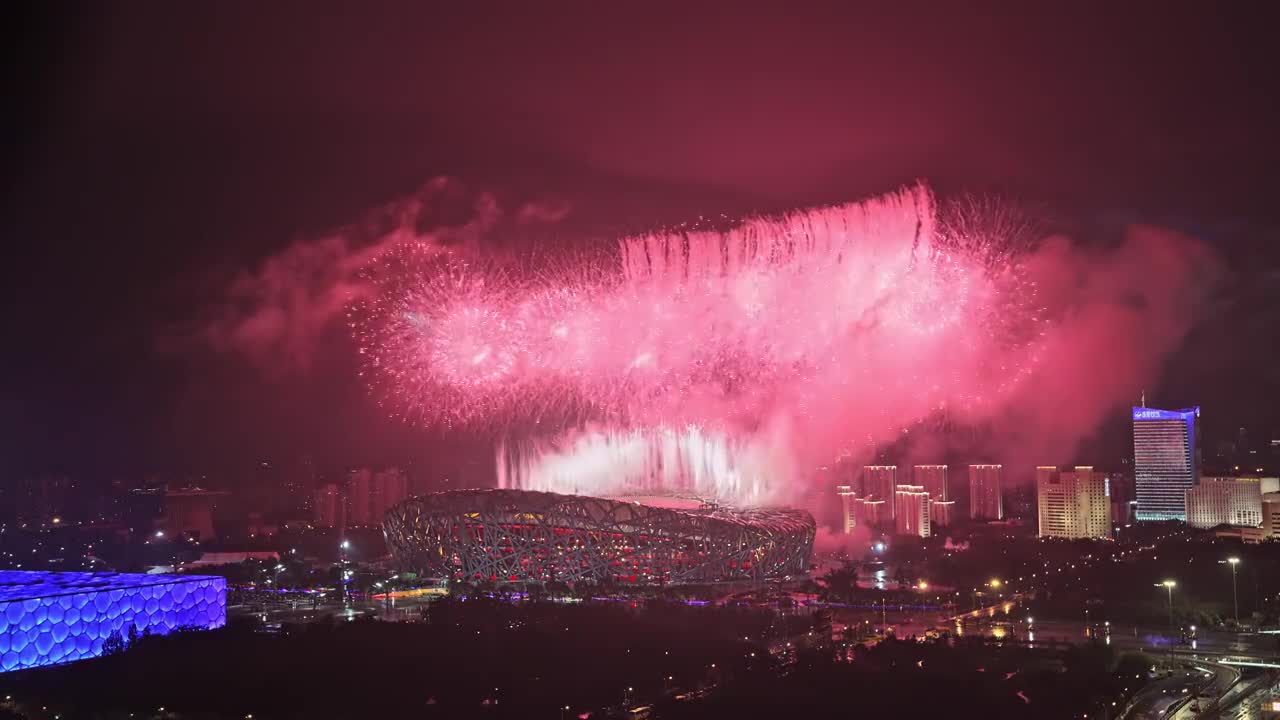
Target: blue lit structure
(1166, 461)
(55, 617)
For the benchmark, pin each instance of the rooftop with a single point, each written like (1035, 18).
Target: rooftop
(23, 585)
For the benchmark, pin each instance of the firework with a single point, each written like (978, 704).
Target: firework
(677, 343)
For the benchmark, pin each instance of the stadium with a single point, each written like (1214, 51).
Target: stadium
(539, 537)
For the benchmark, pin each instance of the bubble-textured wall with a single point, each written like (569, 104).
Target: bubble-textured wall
(48, 618)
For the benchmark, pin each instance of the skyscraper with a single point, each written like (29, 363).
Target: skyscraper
(879, 482)
(1225, 501)
(1166, 460)
(911, 510)
(985, 502)
(1073, 504)
(933, 478)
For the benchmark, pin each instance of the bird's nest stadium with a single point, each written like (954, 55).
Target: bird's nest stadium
(540, 537)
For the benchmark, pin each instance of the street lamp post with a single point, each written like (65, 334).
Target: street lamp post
(1235, 597)
(343, 547)
(1169, 586)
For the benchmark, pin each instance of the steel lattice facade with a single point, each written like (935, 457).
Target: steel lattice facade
(527, 536)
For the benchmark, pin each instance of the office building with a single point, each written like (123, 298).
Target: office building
(1225, 501)
(985, 502)
(1073, 504)
(933, 478)
(879, 482)
(1166, 459)
(911, 510)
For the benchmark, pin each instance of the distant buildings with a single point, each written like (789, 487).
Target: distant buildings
(329, 507)
(1072, 504)
(189, 513)
(1225, 501)
(933, 478)
(879, 482)
(39, 500)
(363, 500)
(985, 502)
(911, 510)
(1166, 460)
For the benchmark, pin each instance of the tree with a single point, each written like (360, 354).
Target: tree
(114, 644)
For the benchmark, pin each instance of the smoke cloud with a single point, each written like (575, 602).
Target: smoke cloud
(712, 368)
(1115, 315)
(274, 315)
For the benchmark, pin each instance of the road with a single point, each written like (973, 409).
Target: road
(1176, 692)
(1150, 639)
(397, 609)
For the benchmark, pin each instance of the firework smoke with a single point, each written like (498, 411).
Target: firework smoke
(729, 362)
(717, 329)
(705, 361)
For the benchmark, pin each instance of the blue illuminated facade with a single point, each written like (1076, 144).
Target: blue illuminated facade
(51, 617)
(1166, 459)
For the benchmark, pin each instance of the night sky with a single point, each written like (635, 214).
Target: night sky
(160, 149)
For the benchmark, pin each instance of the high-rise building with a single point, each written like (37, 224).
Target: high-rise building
(1122, 503)
(389, 486)
(985, 502)
(359, 488)
(1166, 460)
(847, 517)
(879, 482)
(911, 510)
(941, 513)
(845, 472)
(189, 513)
(873, 513)
(329, 507)
(933, 478)
(1073, 504)
(1225, 501)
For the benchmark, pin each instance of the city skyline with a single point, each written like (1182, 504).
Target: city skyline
(451, 360)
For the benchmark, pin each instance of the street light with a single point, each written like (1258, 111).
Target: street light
(1169, 585)
(1235, 597)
